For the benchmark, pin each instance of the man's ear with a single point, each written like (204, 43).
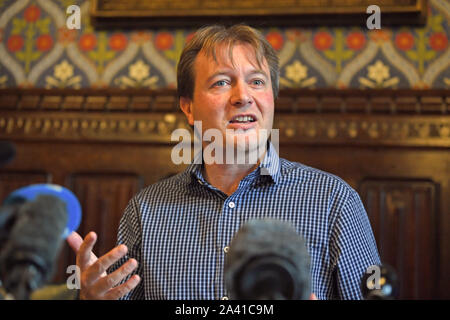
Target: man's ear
(186, 107)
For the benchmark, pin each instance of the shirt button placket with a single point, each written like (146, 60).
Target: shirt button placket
(231, 205)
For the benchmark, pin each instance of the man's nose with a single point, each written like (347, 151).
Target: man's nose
(240, 96)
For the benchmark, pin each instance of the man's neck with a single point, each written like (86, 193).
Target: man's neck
(226, 177)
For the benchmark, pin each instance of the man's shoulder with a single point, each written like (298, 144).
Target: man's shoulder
(163, 188)
(323, 185)
(300, 173)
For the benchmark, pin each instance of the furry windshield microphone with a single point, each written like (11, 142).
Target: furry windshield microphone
(27, 258)
(267, 260)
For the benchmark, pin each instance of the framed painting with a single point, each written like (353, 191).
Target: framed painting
(194, 13)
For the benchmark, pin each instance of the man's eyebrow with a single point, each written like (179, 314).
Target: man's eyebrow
(227, 73)
(259, 71)
(218, 73)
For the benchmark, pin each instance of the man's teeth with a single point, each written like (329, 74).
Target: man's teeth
(243, 119)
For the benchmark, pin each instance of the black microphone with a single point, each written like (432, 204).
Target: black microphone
(27, 259)
(267, 260)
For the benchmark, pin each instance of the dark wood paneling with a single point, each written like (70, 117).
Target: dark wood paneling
(10, 181)
(103, 199)
(403, 217)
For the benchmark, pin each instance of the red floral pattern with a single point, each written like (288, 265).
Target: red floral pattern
(44, 42)
(356, 40)
(164, 41)
(32, 33)
(66, 36)
(87, 42)
(323, 40)
(32, 13)
(438, 41)
(404, 41)
(118, 42)
(15, 43)
(380, 35)
(294, 35)
(275, 39)
(141, 36)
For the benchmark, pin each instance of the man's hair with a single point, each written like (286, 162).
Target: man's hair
(208, 38)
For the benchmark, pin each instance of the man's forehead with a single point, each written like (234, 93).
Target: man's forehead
(223, 55)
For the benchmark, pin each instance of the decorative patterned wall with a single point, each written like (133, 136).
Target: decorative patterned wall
(37, 50)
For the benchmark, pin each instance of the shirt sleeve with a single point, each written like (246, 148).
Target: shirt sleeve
(353, 248)
(130, 234)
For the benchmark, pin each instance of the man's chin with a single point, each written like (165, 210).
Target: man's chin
(243, 142)
(245, 152)
(242, 135)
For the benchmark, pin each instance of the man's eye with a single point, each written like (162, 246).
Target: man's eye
(220, 83)
(258, 82)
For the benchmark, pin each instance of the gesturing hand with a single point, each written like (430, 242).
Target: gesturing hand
(95, 283)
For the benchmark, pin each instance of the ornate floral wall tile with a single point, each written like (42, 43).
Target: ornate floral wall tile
(37, 50)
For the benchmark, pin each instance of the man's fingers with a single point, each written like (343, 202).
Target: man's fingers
(74, 240)
(99, 268)
(94, 278)
(123, 289)
(85, 256)
(112, 279)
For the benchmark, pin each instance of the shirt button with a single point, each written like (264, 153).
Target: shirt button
(225, 298)
(231, 205)
(226, 249)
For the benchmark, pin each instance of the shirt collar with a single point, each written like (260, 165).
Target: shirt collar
(269, 168)
(271, 165)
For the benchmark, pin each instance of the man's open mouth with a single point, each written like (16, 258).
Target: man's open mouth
(243, 119)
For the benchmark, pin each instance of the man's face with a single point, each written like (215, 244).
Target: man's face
(237, 97)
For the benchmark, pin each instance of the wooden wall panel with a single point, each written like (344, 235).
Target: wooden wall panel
(10, 181)
(103, 199)
(403, 217)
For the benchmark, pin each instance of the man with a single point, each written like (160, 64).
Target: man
(174, 235)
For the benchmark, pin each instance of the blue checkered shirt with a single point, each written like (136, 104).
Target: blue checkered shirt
(177, 229)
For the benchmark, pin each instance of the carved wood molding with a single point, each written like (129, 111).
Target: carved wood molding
(430, 131)
(405, 118)
(378, 101)
(374, 130)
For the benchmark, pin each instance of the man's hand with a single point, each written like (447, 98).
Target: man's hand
(95, 283)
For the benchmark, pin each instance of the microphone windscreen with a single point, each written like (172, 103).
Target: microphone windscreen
(72, 204)
(269, 251)
(35, 237)
(8, 215)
